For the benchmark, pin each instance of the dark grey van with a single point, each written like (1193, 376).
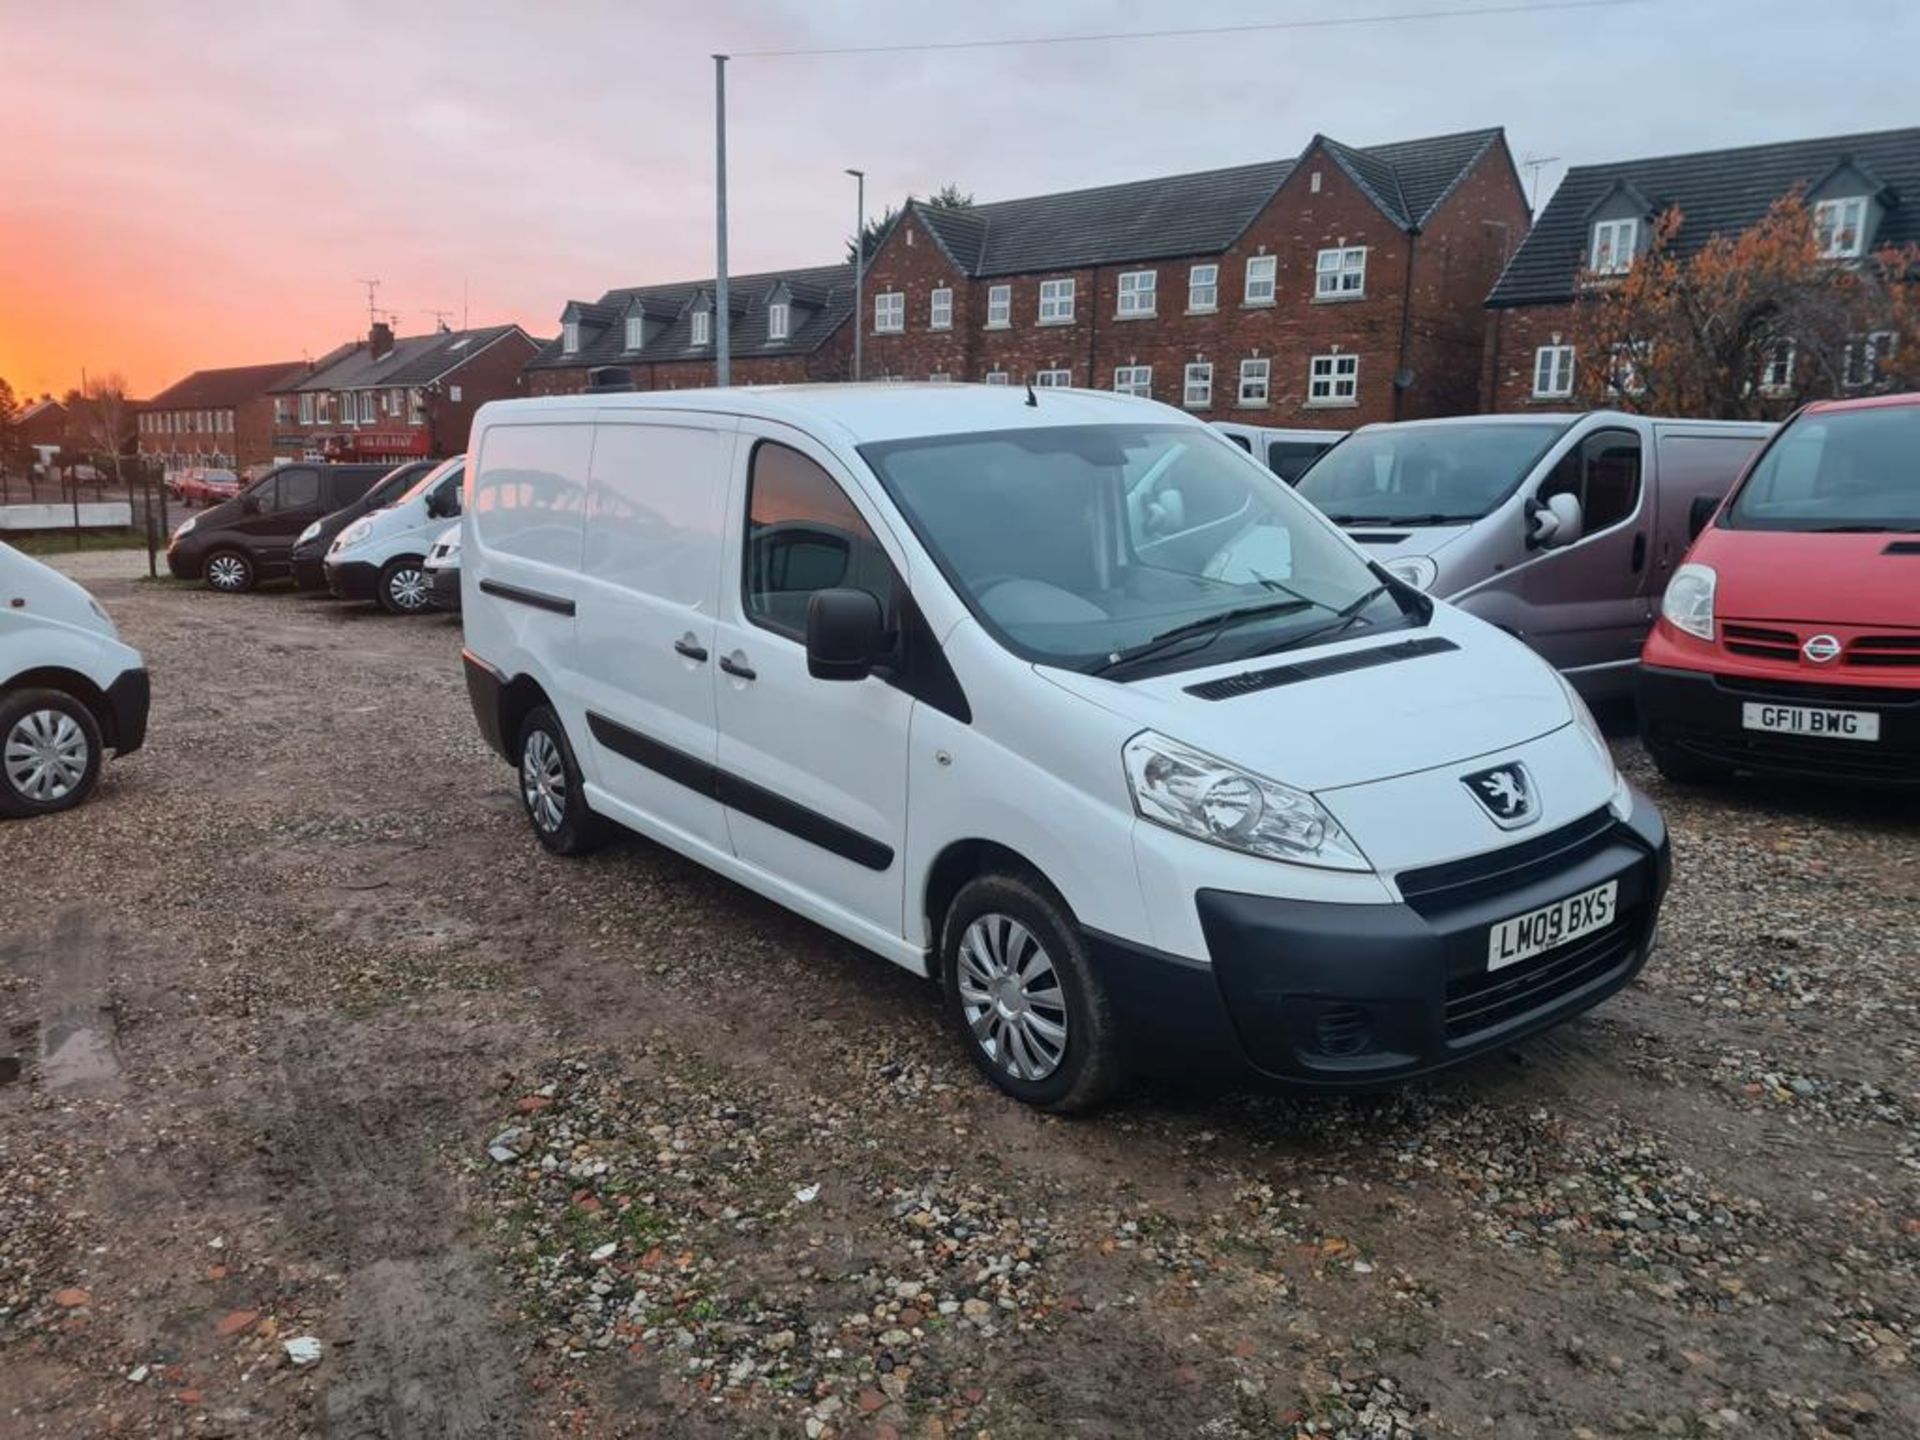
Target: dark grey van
(238, 543)
(1562, 529)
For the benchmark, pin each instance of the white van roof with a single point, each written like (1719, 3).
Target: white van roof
(869, 411)
(1569, 417)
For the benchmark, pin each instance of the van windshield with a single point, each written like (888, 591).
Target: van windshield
(1130, 549)
(431, 477)
(1419, 474)
(1836, 470)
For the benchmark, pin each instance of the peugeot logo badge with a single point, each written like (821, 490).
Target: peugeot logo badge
(1820, 649)
(1506, 793)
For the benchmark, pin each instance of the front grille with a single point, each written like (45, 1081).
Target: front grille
(1809, 753)
(1434, 888)
(1482, 999)
(1761, 642)
(1903, 650)
(1840, 696)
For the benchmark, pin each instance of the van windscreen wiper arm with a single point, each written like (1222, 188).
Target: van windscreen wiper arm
(1206, 627)
(1344, 619)
(1436, 518)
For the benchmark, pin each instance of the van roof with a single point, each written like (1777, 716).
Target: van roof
(1571, 417)
(869, 412)
(1867, 402)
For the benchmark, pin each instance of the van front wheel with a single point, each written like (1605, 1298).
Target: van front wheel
(50, 752)
(550, 788)
(403, 588)
(1019, 986)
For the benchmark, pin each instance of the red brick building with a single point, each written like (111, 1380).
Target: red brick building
(221, 418)
(785, 326)
(1337, 288)
(389, 398)
(1600, 221)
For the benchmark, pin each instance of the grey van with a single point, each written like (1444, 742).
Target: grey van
(1562, 529)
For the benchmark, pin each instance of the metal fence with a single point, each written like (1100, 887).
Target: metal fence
(133, 504)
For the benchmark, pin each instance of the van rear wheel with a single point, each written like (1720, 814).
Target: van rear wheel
(550, 788)
(50, 751)
(404, 588)
(1023, 993)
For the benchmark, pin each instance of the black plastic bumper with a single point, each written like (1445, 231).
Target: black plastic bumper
(1327, 996)
(309, 570)
(128, 700)
(446, 588)
(483, 692)
(183, 564)
(354, 580)
(1702, 716)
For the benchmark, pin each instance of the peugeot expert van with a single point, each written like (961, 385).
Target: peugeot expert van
(382, 556)
(309, 559)
(70, 690)
(1789, 641)
(1063, 700)
(237, 543)
(1287, 453)
(1561, 529)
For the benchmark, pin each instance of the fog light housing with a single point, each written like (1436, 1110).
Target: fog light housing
(1341, 1031)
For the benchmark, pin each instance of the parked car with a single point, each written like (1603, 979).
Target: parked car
(70, 689)
(382, 556)
(1287, 453)
(1065, 703)
(202, 486)
(443, 569)
(309, 558)
(241, 541)
(1789, 640)
(1561, 529)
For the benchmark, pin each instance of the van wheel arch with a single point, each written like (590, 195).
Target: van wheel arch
(964, 860)
(519, 698)
(70, 682)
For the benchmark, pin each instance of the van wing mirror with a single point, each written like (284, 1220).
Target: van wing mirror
(1554, 522)
(845, 630)
(1699, 513)
(250, 504)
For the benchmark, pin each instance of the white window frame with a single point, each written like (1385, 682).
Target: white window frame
(940, 308)
(636, 332)
(779, 320)
(701, 328)
(1555, 363)
(1053, 379)
(1840, 227)
(1333, 379)
(347, 408)
(1256, 381)
(940, 377)
(1776, 369)
(994, 377)
(366, 405)
(1056, 301)
(416, 406)
(1137, 294)
(1196, 385)
(1340, 273)
(1615, 241)
(306, 407)
(999, 307)
(570, 337)
(396, 402)
(1261, 280)
(1133, 380)
(890, 312)
(1203, 289)
(1861, 361)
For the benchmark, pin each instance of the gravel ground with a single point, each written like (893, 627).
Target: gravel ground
(330, 1105)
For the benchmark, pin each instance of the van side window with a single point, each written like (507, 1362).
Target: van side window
(299, 489)
(266, 495)
(1603, 473)
(803, 535)
(1289, 459)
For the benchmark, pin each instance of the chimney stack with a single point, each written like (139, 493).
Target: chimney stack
(380, 339)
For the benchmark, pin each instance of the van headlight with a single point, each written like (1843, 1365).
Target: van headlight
(1419, 571)
(353, 535)
(1688, 603)
(1199, 795)
(312, 532)
(1621, 800)
(186, 526)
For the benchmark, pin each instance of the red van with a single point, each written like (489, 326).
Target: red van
(1789, 639)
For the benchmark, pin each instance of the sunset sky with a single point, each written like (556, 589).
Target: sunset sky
(195, 185)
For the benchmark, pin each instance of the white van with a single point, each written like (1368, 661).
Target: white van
(69, 689)
(1287, 453)
(1063, 700)
(382, 555)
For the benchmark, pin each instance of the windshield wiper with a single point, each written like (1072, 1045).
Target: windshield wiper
(1206, 628)
(1344, 619)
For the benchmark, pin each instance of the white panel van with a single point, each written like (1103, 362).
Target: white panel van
(382, 556)
(1062, 700)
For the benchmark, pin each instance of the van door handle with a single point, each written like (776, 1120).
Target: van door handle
(691, 648)
(736, 665)
(1639, 552)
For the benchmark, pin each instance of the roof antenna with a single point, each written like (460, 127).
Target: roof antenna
(1032, 399)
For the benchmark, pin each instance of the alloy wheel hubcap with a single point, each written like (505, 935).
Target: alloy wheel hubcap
(408, 589)
(45, 755)
(1010, 993)
(543, 780)
(227, 573)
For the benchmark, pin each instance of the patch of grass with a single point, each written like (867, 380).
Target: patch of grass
(65, 542)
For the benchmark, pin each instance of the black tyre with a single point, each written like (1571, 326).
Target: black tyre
(1021, 989)
(550, 788)
(1681, 768)
(404, 588)
(50, 752)
(231, 572)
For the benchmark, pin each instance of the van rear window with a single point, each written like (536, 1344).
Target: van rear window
(530, 491)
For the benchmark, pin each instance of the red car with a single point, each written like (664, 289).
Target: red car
(1789, 640)
(207, 487)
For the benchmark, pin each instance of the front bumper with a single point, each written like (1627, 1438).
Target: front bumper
(309, 570)
(128, 700)
(182, 563)
(1701, 715)
(446, 588)
(1351, 997)
(353, 579)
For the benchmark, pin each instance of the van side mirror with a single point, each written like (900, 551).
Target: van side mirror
(444, 503)
(250, 504)
(1699, 513)
(845, 630)
(1554, 522)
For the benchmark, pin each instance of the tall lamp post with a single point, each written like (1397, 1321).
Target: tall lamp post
(722, 336)
(859, 259)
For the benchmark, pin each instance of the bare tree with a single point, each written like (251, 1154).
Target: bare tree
(104, 417)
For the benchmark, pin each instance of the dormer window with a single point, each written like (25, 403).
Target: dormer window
(703, 327)
(636, 330)
(570, 336)
(779, 320)
(1613, 246)
(1840, 227)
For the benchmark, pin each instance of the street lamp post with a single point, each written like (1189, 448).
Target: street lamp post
(722, 338)
(859, 258)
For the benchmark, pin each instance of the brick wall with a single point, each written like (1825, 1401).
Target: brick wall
(1513, 335)
(913, 263)
(248, 442)
(494, 374)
